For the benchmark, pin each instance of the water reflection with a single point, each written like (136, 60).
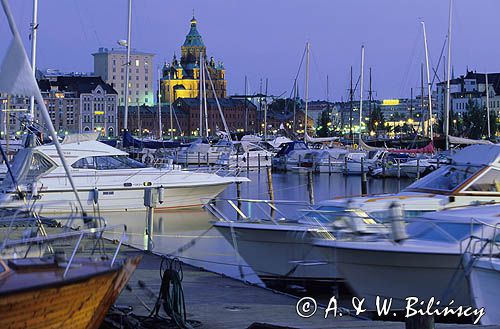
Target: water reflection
(189, 235)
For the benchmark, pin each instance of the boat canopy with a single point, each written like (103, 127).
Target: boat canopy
(292, 146)
(130, 141)
(467, 141)
(478, 155)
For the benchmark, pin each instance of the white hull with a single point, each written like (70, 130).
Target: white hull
(398, 275)
(485, 282)
(123, 199)
(284, 253)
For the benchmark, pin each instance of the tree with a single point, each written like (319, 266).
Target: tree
(475, 121)
(376, 121)
(324, 124)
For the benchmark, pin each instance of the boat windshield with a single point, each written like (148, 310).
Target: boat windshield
(447, 178)
(107, 163)
(329, 214)
(444, 232)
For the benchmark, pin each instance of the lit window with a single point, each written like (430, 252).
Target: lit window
(137, 62)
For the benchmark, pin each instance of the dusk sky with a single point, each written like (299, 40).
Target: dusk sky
(266, 39)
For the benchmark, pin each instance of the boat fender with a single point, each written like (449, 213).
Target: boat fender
(267, 157)
(95, 195)
(161, 194)
(451, 198)
(398, 225)
(34, 190)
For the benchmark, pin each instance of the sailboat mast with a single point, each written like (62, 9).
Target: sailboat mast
(307, 91)
(422, 116)
(246, 106)
(361, 93)
(127, 65)
(200, 93)
(294, 104)
(160, 128)
(488, 106)
(350, 106)
(428, 83)
(170, 105)
(205, 98)
(34, 32)
(447, 110)
(370, 97)
(265, 114)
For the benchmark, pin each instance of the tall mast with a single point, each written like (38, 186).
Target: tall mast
(307, 90)
(246, 107)
(205, 97)
(265, 114)
(127, 66)
(200, 93)
(361, 93)
(350, 107)
(170, 105)
(428, 83)
(370, 97)
(294, 104)
(422, 116)
(160, 128)
(447, 110)
(411, 103)
(34, 29)
(488, 106)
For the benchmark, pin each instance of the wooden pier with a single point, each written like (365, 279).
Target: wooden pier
(218, 302)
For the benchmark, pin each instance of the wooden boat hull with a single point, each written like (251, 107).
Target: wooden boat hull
(80, 302)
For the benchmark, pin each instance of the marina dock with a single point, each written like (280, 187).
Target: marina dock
(216, 301)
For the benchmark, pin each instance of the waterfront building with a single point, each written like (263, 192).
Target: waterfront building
(110, 65)
(470, 87)
(180, 78)
(78, 104)
(186, 117)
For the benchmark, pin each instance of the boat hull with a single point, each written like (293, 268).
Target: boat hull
(484, 281)
(398, 275)
(80, 303)
(123, 199)
(280, 254)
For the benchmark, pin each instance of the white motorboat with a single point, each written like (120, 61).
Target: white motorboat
(473, 176)
(245, 154)
(281, 249)
(407, 167)
(199, 153)
(293, 155)
(484, 280)
(430, 263)
(358, 162)
(105, 177)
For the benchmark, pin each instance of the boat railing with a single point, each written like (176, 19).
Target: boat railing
(230, 209)
(483, 244)
(95, 239)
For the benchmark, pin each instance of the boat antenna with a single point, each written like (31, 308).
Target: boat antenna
(16, 56)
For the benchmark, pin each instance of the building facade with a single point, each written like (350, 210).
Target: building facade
(110, 65)
(78, 104)
(186, 117)
(181, 78)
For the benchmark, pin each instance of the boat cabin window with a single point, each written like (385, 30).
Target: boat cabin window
(329, 214)
(108, 163)
(446, 178)
(445, 232)
(487, 182)
(38, 166)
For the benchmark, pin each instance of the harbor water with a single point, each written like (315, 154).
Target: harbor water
(189, 235)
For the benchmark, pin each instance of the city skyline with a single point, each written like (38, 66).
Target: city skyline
(266, 40)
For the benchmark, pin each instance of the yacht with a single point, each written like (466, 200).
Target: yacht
(198, 153)
(472, 177)
(106, 179)
(484, 281)
(292, 155)
(245, 154)
(278, 245)
(426, 260)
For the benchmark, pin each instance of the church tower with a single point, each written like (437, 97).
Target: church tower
(180, 78)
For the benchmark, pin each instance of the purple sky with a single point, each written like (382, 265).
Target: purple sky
(266, 38)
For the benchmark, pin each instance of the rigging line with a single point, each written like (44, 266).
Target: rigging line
(318, 71)
(409, 65)
(436, 69)
(80, 18)
(298, 71)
